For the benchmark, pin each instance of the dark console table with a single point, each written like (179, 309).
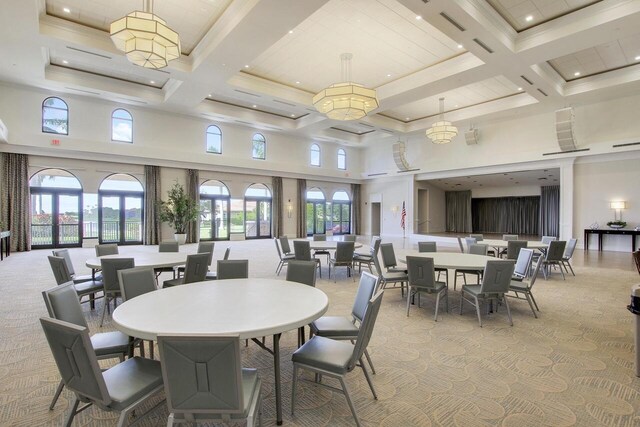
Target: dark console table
(588, 232)
(5, 244)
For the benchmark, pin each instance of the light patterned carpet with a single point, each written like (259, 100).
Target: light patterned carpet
(571, 366)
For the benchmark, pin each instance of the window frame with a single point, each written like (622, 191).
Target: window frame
(206, 139)
(264, 145)
(315, 147)
(130, 119)
(342, 153)
(56, 108)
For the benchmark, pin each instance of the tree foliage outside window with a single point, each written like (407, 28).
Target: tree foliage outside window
(259, 147)
(55, 116)
(214, 140)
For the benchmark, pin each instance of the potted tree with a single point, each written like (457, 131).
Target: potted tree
(178, 211)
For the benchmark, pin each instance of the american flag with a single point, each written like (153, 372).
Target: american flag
(403, 216)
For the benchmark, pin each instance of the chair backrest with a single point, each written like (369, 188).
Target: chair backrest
(460, 244)
(168, 246)
(62, 303)
(523, 263)
(106, 249)
(110, 267)
(556, 250)
(514, 246)
(376, 263)
(302, 272)
(136, 281)
(570, 248)
(76, 360)
(344, 251)
(478, 237)
(366, 328)
(470, 241)
(636, 258)
(427, 247)
(319, 237)
(195, 270)
(375, 247)
(421, 272)
(508, 237)
(349, 238)
(233, 269)
(497, 277)
(548, 239)
(64, 253)
(202, 374)
(478, 249)
(367, 287)
(206, 247)
(227, 252)
(275, 240)
(388, 255)
(302, 249)
(534, 273)
(373, 240)
(60, 270)
(284, 243)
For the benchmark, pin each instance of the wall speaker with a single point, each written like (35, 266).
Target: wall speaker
(565, 130)
(398, 156)
(4, 133)
(471, 136)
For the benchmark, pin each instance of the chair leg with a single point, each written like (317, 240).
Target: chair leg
(293, 388)
(104, 309)
(478, 311)
(506, 303)
(570, 267)
(461, 299)
(534, 301)
(446, 298)
(530, 304)
(366, 375)
(366, 355)
(72, 413)
(151, 355)
(408, 300)
(435, 316)
(170, 420)
(455, 280)
(56, 395)
(563, 278)
(346, 395)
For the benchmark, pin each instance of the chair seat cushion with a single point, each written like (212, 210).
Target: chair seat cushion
(131, 380)
(325, 353)
(211, 275)
(107, 343)
(438, 286)
(362, 258)
(79, 278)
(334, 326)
(288, 257)
(173, 282)
(475, 290)
(366, 255)
(88, 287)
(518, 286)
(396, 276)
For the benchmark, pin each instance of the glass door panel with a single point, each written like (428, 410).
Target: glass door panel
(68, 220)
(265, 219)
(319, 215)
(206, 227)
(310, 219)
(132, 219)
(251, 218)
(221, 219)
(42, 219)
(346, 218)
(110, 227)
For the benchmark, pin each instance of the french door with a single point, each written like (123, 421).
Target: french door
(214, 223)
(316, 223)
(56, 216)
(257, 217)
(120, 217)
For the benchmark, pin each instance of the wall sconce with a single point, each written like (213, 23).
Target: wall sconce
(617, 208)
(289, 208)
(395, 209)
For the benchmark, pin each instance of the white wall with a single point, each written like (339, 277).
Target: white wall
(391, 193)
(508, 191)
(437, 208)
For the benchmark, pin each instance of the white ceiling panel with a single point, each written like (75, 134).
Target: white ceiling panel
(539, 177)
(516, 12)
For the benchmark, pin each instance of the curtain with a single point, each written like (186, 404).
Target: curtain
(152, 198)
(193, 191)
(458, 211)
(16, 200)
(302, 209)
(550, 210)
(517, 215)
(276, 182)
(355, 208)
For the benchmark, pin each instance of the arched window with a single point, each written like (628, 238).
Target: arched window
(341, 213)
(257, 211)
(121, 126)
(314, 153)
(56, 215)
(214, 207)
(259, 147)
(214, 140)
(316, 212)
(342, 159)
(120, 209)
(55, 116)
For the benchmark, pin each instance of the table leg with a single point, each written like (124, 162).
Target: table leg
(586, 241)
(276, 372)
(600, 237)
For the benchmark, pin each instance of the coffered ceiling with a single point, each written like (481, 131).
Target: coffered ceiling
(259, 62)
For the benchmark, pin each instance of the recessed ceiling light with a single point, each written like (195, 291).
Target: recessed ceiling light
(460, 46)
(209, 95)
(66, 10)
(246, 66)
(456, 106)
(406, 118)
(254, 106)
(637, 58)
(418, 17)
(529, 18)
(293, 115)
(152, 82)
(64, 61)
(388, 75)
(297, 83)
(290, 31)
(519, 88)
(577, 73)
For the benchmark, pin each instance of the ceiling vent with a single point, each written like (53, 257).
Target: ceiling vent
(628, 144)
(247, 93)
(88, 53)
(452, 21)
(527, 80)
(482, 45)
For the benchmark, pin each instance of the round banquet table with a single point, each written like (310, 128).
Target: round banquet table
(144, 259)
(451, 260)
(327, 245)
(250, 308)
(504, 243)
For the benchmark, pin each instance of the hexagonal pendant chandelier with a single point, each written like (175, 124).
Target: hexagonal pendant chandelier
(145, 38)
(442, 131)
(346, 100)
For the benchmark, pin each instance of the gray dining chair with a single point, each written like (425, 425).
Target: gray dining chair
(513, 248)
(302, 250)
(213, 275)
(106, 249)
(554, 256)
(195, 270)
(521, 289)
(427, 247)
(64, 253)
(62, 304)
(342, 258)
(204, 380)
(133, 283)
(203, 247)
(470, 241)
(349, 238)
(359, 259)
(548, 239)
(283, 259)
(523, 263)
(61, 274)
(387, 277)
(110, 267)
(478, 237)
(389, 258)
(373, 242)
(347, 328)
(121, 388)
(284, 244)
(233, 269)
(321, 238)
(568, 254)
(335, 359)
(167, 246)
(495, 284)
(507, 237)
(474, 249)
(302, 272)
(422, 279)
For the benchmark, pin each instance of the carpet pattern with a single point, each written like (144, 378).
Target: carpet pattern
(571, 366)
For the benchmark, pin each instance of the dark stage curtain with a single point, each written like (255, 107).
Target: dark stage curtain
(458, 211)
(514, 215)
(550, 211)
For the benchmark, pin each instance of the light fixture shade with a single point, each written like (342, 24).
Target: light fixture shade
(346, 101)
(442, 132)
(146, 39)
(618, 205)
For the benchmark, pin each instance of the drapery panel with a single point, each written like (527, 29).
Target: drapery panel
(193, 191)
(276, 183)
(301, 216)
(16, 200)
(355, 207)
(151, 201)
(515, 215)
(458, 211)
(550, 210)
